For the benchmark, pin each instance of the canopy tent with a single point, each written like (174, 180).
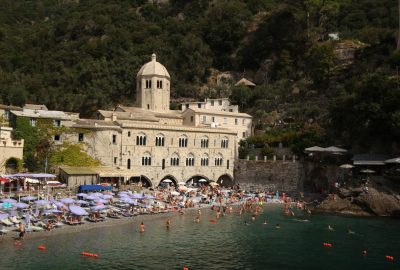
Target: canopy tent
(334, 149)
(94, 188)
(314, 149)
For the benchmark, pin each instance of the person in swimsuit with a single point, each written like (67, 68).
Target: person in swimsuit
(21, 229)
(141, 227)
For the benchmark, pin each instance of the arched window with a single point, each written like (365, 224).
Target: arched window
(224, 142)
(218, 161)
(204, 160)
(160, 140)
(204, 142)
(190, 160)
(146, 159)
(141, 139)
(174, 159)
(183, 141)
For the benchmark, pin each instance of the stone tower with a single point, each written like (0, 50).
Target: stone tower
(153, 86)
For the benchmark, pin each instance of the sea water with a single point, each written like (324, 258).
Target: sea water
(229, 243)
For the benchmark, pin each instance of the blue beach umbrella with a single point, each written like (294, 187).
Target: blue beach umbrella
(137, 196)
(28, 198)
(107, 197)
(3, 216)
(91, 198)
(98, 208)
(101, 201)
(8, 200)
(83, 195)
(81, 202)
(67, 200)
(77, 210)
(42, 202)
(21, 205)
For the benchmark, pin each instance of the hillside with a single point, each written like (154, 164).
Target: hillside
(311, 88)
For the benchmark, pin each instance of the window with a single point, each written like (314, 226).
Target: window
(128, 165)
(148, 84)
(244, 134)
(204, 118)
(159, 84)
(224, 143)
(163, 164)
(191, 118)
(129, 133)
(114, 139)
(243, 122)
(57, 123)
(57, 137)
(212, 102)
(220, 102)
(174, 159)
(230, 110)
(225, 121)
(213, 119)
(218, 161)
(187, 106)
(236, 121)
(190, 160)
(146, 159)
(204, 160)
(80, 137)
(199, 105)
(33, 122)
(183, 141)
(227, 164)
(160, 140)
(204, 142)
(141, 139)
(115, 160)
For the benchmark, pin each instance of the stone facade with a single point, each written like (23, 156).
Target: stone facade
(9, 148)
(273, 176)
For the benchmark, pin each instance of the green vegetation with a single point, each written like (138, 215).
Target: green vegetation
(84, 55)
(72, 155)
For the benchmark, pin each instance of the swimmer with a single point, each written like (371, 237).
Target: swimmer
(309, 211)
(197, 220)
(168, 224)
(330, 228)
(218, 214)
(265, 222)
(351, 232)
(277, 226)
(199, 212)
(141, 227)
(253, 217)
(245, 223)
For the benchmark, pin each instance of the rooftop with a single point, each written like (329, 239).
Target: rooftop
(42, 114)
(218, 112)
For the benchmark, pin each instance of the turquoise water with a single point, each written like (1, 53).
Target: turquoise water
(228, 244)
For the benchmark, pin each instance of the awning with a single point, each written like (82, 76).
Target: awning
(32, 181)
(4, 180)
(314, 149)
(94, 188)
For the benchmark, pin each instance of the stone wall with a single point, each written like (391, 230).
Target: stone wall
(285, 176)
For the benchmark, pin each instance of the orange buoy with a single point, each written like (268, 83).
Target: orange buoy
(41, 247)
(87, 254)
(389, 258)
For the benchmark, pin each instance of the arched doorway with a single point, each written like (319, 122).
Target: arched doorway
(198, 180)
(11, 165)
(169, 181)
(225, 180)
(141, 181)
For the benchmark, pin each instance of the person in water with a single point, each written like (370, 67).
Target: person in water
(197, 220)
(141, 227)
(330, 228)
(277, 226)
(351, 232)
(168, 223)
(21, 229)
(265, 222)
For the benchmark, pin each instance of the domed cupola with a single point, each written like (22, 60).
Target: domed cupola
(153, 86)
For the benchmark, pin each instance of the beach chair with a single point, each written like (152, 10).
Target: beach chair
(6, 222)
(14, 220)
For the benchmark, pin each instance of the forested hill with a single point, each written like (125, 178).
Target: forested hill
(84, 55)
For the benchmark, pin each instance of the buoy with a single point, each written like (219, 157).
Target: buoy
(389, 258)
(41, 247)
(327, 245)
(87, 254)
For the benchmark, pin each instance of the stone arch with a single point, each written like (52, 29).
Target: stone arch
(225, 180)
(11, 165)
(170, 177)
(194, 180)
(143, 180)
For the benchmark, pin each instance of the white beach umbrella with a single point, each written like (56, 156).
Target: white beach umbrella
(167, 181)
(346, 166)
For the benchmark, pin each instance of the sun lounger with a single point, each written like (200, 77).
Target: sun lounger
(36, 228)
(14, 220)
(6, 222)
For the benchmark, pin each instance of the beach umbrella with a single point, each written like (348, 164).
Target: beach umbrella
(81, 202)
(315, 149)
(8, 200)
(137, 196)
(21, 205)
(96, 194)
(83, 195)
(67, 200)
(28, 198)
(101, 201)
(59, 204)
(367, 171)
(346, 166)
(77, 210)
(52, 211)
(42, 202)
(3, 216)
(107, 197)
(91, 198)
(98, 208)
(167, 181)
(203, 180)
(149, 197)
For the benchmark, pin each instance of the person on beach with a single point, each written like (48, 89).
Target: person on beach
(21, 229)
(141, 227)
